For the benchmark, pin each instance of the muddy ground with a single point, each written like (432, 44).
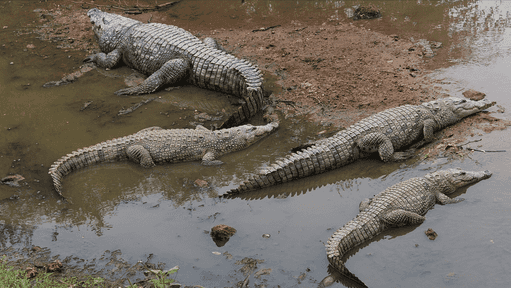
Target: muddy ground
(332, 70)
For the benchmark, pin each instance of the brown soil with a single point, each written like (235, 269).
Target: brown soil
(334, 72)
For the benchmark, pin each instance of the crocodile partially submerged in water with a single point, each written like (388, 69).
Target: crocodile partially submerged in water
(155, 145)
(385, 132)
(169, 54)
(405, 203)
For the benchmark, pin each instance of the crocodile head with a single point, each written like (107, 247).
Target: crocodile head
(451, 179)
(246, 135)
(108, 28)
(452, 109)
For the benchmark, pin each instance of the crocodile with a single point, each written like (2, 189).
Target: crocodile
(385, 132)
(169, 54)
(402, 204)
(154, 145)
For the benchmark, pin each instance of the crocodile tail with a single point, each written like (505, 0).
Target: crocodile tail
(103, 152)
(253, 103)
(313, 160)
(350, 279)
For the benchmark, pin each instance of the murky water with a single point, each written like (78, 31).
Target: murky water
(161, 211)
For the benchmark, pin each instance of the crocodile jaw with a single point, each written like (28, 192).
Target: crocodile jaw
(456, 178)
(462, 178)
(469, 107)
(256, 133)
(465, 107)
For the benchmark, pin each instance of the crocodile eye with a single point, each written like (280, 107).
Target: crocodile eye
(463, 173)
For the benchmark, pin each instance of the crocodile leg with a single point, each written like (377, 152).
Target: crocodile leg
(140, 155)
(171, 72)
(400, 217)
(373, 142)
(105, 60)
(444, 199)
(209, 159)
(428, 130)
(211, 42)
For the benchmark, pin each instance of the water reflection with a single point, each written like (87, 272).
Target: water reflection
(479, 31)
(15, 234)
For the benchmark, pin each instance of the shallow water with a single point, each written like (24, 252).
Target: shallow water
(160, 211)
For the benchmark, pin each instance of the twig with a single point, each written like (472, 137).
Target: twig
(485, 151)
(477, 140)
(300, 29)
(85, 105)
(264, 29)
(134, 107)
(478, 150)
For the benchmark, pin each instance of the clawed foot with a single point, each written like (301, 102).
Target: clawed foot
(400, 156)
(88, 59)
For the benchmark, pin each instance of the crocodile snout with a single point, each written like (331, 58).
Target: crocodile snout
(267, 129)
(487, 174)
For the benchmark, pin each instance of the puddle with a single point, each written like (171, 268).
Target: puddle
(161, 212)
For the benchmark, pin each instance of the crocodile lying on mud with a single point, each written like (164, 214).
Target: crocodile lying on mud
(385, 133)
(405, 203)
(169, 54)
(157, 145)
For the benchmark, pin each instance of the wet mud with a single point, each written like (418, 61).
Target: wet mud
(323, 71)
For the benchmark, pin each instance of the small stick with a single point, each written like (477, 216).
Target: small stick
(264, 29)
(477, 140)
(485, 151)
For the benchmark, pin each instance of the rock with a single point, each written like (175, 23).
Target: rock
(435, 44)
(367, 12)
(201, 183)
(327, 281)
(431, 234)
(12, 180)
(55, 266)
(31, 272)
(474, 95)
(221, 234)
